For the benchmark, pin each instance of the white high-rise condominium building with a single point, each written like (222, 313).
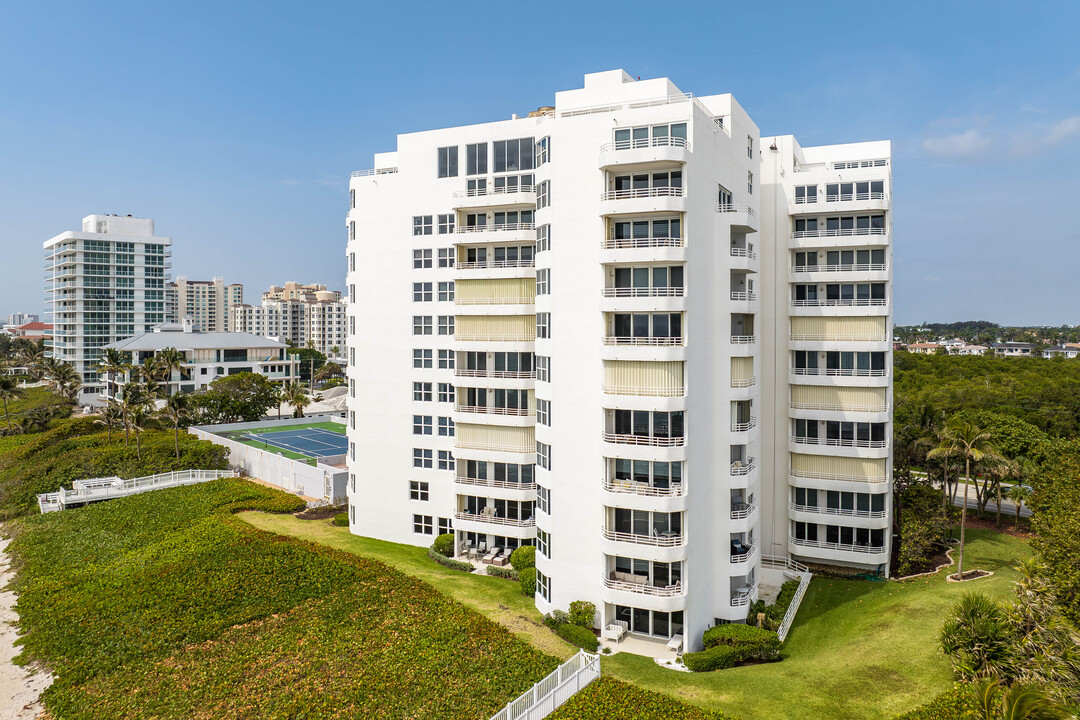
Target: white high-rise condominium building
(596, 329)
(103, 284)
(208, 303)
(317, 318)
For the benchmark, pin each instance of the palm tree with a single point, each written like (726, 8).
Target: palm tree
(39, 417)
(64, 380)
(112, 416)
(113, 363)
(1019, 702)
(973, 444)
(328, 370)
(169, 360)
(1019, 494)
(132, 402)
(296, 397)
(175, 411)
(33, 358)
(9, 390)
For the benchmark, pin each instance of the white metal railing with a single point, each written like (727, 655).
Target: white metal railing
(740, 598)
(625, 340)
(630, 487)
(743, 252)
(850, 267)
(496, 264)
(488, 191)
(494, 447)
(672, 540)
(630, 292)
(854, 164)
(495, 227)
(839, 442)
(495, 520)
(743, 295)
(745, 512)
(838, 337)
(847, 197)
(519, 300)
(745, 556)
(494, 337)
(841, 512)
(374, 171)
(844, 477)
(743, 382)
(546, 696)
(730, 208)
(839, 407)
(663, 191)
(676, 590)
(840, 232)
(486, 482)
(641, 242)
(638, 143)
(483, 409)
(744, 426)
(643, 391)
(95, 489)
(740, 468)
(649, 440)
(629, 105)
(842, 302)
(840, 372)
(789, 567)
(841, 547)
(742, 339)
(506, 374)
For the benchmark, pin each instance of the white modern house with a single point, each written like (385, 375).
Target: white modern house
(103, 284)
(628, 330)
(208, 355)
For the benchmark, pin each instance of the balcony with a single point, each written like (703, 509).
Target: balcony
(644, 391)
(519, 300)
(841, 302)
(500, 374)
(837, 512)
(740, 468)
(667, 538)
(841, 232)
(850, 267)
(640, 585)
(490, 483)
(742, 510)
(643, 341)
(839, 442)
(840, 372)
(741, 553)
(639, 292)
(493, 196)
(643, 440)
(629, 487)
(743, 253)
(878, 408)
(836, 477)
(841, 547)
(481, 409)
(743, 382)
(743, 217)
(642, 242)
(743, 595)
(750, 424)
(641, 151)
(495, 227)
(496, 264)
(374, 171)
(743, 296)
(743, 340)
(640, 143)
(649, 192)
(491, 519)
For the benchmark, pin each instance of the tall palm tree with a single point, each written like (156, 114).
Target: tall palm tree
(33, 359)
(111, 416)
(170, 360)
(64, 380)
(132, 402)
(1019, 494)
(966, 440)
(299, 399)
(9, 390)
(113, 363)
(176, 411)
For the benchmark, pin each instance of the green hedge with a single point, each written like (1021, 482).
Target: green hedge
(755, 643)
(577, 635)
(774, 614)
(960, 703)
(449, 562)
(610, 699)
(523, 557)
(444, 544)
(582, 613)
(342, 519)
(508, 573)
(528, 581)
(719, 657)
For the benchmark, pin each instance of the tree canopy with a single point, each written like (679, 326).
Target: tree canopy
(241, 397)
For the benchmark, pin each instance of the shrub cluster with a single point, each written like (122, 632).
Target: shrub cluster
(960, 703)
(527, 578)
(719, 657)
(732, 643)
(341, 519)
(582, 613)
(610, 699)
(577, 635)
(502, 572)
(444, 544)
(774, 614)
(449, 562)
(523, 557)
(555, 618)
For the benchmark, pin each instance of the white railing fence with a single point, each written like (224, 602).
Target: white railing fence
(790, 568)
(96, 489)
(549, 694)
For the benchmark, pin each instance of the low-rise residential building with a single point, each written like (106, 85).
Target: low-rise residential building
(31, 330)
(965, 349)
(208, 302)
(1067, 351)
(923, 348)
(1014, 349)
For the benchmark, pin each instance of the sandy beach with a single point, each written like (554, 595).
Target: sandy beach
(19, 687)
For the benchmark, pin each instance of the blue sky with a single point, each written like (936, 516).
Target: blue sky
(235, 124)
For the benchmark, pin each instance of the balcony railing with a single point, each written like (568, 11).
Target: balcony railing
(842, 547)
(855, 164)
(743, 382)
(743, 295)
(742, 597)
(838, 407)
(496, 264)
(840, 372)
(495, 447)
(643, 391)
(519, 300)
(495, 227)
(850, 267)
(657, 540)
(481, 409)
(504, 374)
(839, 442)
(743, 252)
(837, 337)
(842, 512)
(488, 482)
(840, 197)
(649, 440)
(629, 487)
(744, 512)
(638, 143)
(488, 191)
(744, 556)
(624, 340)
(631, 292)
(494, 520)
(840, 232)
(742, 339)
(495, 337)
(841, 302)
(665, 191)
(730, 208)
(641, 242)
(838, 476)
(744, 426)
(676, 590)
(741, 468)
(374, 171)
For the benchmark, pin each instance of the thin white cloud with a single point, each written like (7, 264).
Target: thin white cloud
(932, 279)
(968, 145)
(982, 140)
(1033, 141)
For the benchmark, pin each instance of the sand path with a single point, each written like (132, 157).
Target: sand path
(19, 687)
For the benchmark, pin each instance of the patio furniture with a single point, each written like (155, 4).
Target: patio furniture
(472, 552)
(490, 557)
(675, 643)
(615, 630)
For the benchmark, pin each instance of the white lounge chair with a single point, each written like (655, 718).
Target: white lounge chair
(675, 643)
(615, 630)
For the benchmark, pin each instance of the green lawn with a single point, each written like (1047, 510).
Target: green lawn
(30, 399)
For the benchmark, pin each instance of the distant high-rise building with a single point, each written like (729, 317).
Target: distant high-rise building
(103, 284)
(304, 314)
(19, 318)
(293, 290)
(208, 302)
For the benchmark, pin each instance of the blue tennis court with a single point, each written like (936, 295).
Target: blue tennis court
(313, 442)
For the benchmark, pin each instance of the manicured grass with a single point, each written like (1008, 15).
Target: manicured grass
(164, 605)
(610, 699)
(857, 649)
(497, 599)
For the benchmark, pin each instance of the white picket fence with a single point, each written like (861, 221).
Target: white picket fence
(83, 492)
(544, 697)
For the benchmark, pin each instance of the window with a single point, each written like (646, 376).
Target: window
(543, 412)
(446, 427)
(352, 451)
(446, 357)
(421, 424)
(543, 586)
(352, 229)
(352, 262)
(421, 225)
(421, 292)
(418, 490)
(421, 325)
(352, 385)
(543, 195)
(448, 162)
(750, 146)
(446, 325)
(446, 460)
(750, 183)
(421, 259)
(445, 526)
(656, 474)
(446, 392)
(656, 135)
(422, 524)
(446, 257)
(543, 151)
(805, 194)
(543, 238)
(646, 325)
(421, 392)
(352, 293)
(446, 225)
(352, 419)
(653, 281)
(543, 325)
(543, 286)
(352, 514)
(646, 423)
(352, 198)
(543, 455)
(421, 358)
(514, 220)
(476, 157)
(543, 368)
(352, 357)
(543, 499)
(352, 325)
(352, 482)
(543, 543)
(511, 155)
(446, 289)
(421, 458)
